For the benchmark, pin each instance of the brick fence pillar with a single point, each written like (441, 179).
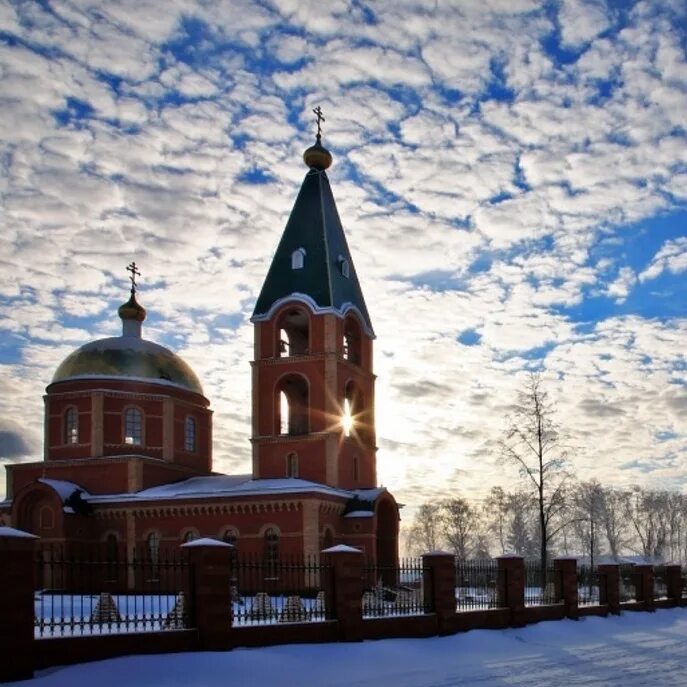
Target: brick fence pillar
(16, 604)
(674, 583)
(566, 584)
(210, 592)
(511, 587)
(439, 584)
(609, 584)
(345, 589)
(644, 576)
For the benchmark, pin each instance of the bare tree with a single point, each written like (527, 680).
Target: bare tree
(614, 521)
(496, 515)
(459, 521)
(532, 442)
(586, 517)
(424, 534)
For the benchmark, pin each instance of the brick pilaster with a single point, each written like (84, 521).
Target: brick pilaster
(345, 589)
(674, 583)
(17, 572)
(439, 584)
(609, 583)
(566, 584)
(210, 592)
(511, 587)
(644, 576)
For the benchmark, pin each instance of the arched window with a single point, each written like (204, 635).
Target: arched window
(46, 518)
(71, 426)
(327, 538)
(190, 434)
(271, 546)
(293, 327)
(352, 341)
(230, 536)
(297, 259)
(111, 556)
(190, 535)
(153, 545)
(292, 465)
(291, 405)
(133, 426)
(111, 547)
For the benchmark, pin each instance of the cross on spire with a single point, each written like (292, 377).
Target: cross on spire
(134, 273)
(320, 118)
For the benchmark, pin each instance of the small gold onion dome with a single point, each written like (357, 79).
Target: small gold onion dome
(317, 157)
(131, 310)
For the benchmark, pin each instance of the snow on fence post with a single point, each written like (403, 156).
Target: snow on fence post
(210, 592)
(674, 583)
(16, 604)
(439, 585)
(511, 587)
(345, 589)
(566, 581)
(645, 585)
(609, 587)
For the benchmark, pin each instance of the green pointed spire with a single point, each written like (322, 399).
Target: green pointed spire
(312, 262)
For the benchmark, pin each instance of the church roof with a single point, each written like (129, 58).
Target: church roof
(130, 358)
(327, 280)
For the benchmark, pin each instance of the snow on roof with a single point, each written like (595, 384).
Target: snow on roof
(341, 548)
(223, 485)
(19, 534)
(63, 488)
(206, 541)
(360, 514)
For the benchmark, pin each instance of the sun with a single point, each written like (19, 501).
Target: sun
(347, 418)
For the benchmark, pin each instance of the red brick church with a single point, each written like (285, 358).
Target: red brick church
(128, 431)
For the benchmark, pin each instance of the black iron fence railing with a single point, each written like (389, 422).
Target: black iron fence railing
(476, 585)
(84, 591)
(660, 582)
(396, 590)
(283, 590)
(588, 586)
(683, 575)
(628, 583)
(543, 586)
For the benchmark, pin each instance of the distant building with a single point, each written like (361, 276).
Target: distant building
(128, 430)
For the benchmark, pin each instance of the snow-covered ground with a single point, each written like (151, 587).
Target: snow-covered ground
(632, 650)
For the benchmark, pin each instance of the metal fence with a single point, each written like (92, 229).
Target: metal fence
(395, 590)
(82, 591)
(476, 585)
(660, 582)
(627, 586)
(543, 586)
(283, 590)
(588, 586)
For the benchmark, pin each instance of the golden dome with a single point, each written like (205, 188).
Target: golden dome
(317, 157)
(131, 310)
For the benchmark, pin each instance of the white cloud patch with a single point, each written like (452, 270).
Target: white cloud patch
(672, 257)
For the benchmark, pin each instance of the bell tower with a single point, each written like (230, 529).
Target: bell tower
(313, 385)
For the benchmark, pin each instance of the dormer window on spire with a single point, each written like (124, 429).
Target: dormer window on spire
(345, 267)
(298, 259)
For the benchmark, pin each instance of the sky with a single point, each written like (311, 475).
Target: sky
(511, 176)
(632, 650)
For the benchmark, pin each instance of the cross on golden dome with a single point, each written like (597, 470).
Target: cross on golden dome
(320, 118)
(134, 273)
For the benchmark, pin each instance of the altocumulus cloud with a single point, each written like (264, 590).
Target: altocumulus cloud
(507, 169)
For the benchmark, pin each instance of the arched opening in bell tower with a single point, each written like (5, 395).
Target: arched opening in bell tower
(352, 340)
(291, 405)
(293, 333)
